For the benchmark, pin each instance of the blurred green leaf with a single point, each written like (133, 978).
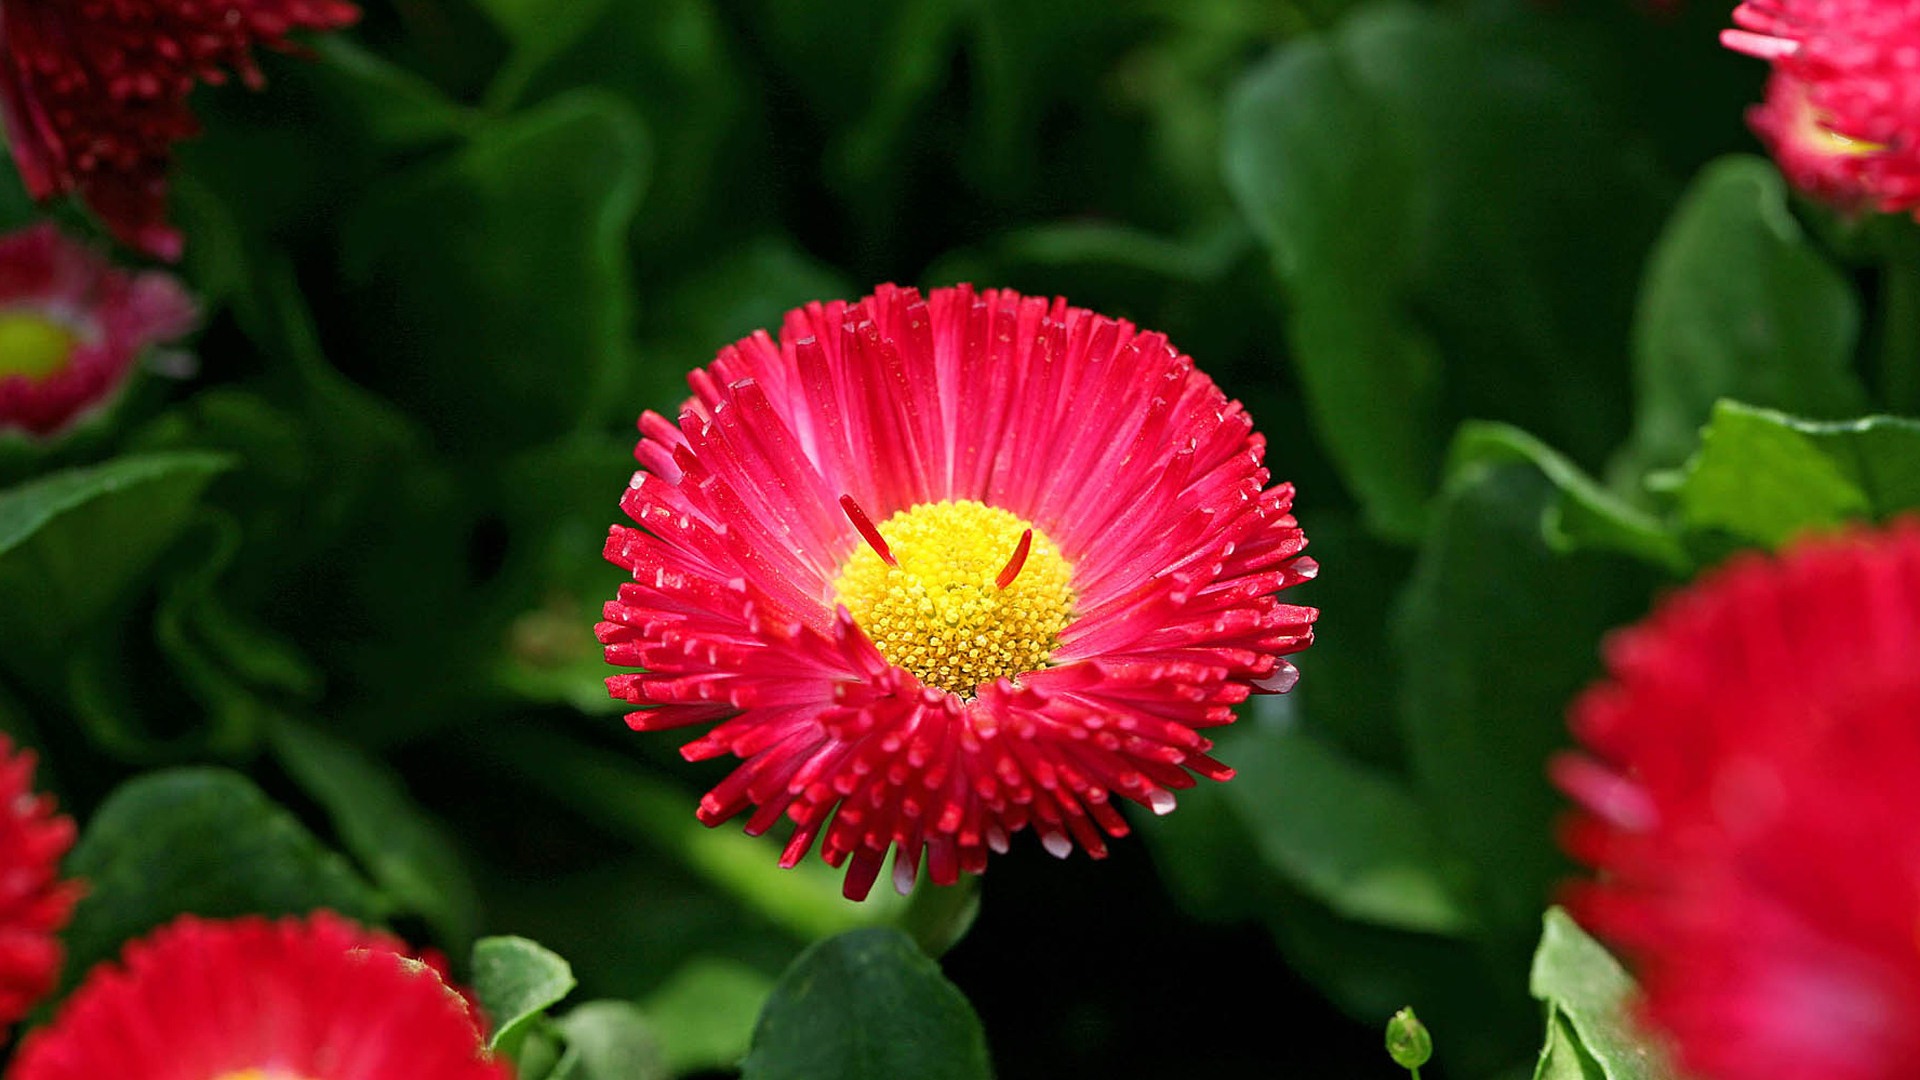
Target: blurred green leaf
(235, 674)
(1330, 208)
(674, 62)
(500, 275)
(867, 1005)
(1737, 303)
(74, 542)
(1587, 517)
(704, 1014)
(407, 853)
(1420, 178)
(1496, 633)
(630, 801)
(1764, 476)
(397, 109)
(200, 841)
(516, 981)
(609, 1040)
(1587, 987)
(1355, 839)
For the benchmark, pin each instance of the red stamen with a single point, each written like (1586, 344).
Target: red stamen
(1019, 560)
(872, 535)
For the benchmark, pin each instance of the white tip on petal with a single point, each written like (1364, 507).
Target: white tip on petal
(1760, 46)
(1057, 844)
(903, 875)
(1162, 801)
(1282, 680)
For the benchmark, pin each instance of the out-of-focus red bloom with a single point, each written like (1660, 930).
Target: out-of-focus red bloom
(1842, 114)
(94, 92)
(72, 325)
(947, 568)
(34, 901)
(250, 999)
(1749, 793)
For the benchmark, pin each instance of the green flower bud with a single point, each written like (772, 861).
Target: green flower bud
(1408, 1041)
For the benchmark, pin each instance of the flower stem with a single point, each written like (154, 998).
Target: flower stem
(1900, 331)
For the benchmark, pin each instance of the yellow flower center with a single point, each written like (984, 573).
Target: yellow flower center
(33, 345)
(257, 1074)
(946, 608)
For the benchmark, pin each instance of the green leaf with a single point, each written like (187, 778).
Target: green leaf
(704, 1013)
(505, 351)
(1366, 970)
(673, 62)
(1587, 517)
(1356, 839)
(1764, 476)
(867, 1005)
(406, 852)
(626, 798)
(516, 981)
(201, 841)
(236, 675)
(400, 110)
(1415, 175)
(73, 543)
(609, 1040)
(1563, 1057)
(1738, 303)
(1496, 633)
(1586, 987)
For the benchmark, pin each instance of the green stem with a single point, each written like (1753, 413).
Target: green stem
(1900, 332)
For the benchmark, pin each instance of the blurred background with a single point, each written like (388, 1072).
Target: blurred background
(451, 255)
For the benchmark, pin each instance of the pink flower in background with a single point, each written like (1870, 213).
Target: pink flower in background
(1842, 115)
(1749, 791)
(250, 999)
(35, 902)
(94, 92)
(72, 326)
(943, 569)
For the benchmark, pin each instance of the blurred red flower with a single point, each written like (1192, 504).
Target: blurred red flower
(94, 92)
(34, 902)
(317, 998)
(72, 325)
(947, 568)
(1749, 793)
(1842, 115)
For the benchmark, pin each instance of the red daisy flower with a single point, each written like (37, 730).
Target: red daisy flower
(71, 326)
(250, 999)
(34, 902)
(1842, 115)
(947, 568)
(1749, 795)
(93, 93)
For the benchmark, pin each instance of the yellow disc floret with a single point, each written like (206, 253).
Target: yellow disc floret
(941, 612)
(33, 345)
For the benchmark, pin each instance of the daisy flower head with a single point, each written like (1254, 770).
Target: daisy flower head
(317, 998)
(1842, 112)
(942, 568)
(1747, 792)
(94, 93)
(35, 902)
(72, 326)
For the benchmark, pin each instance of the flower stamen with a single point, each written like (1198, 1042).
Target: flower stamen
(864, 525)
(1018, 560)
